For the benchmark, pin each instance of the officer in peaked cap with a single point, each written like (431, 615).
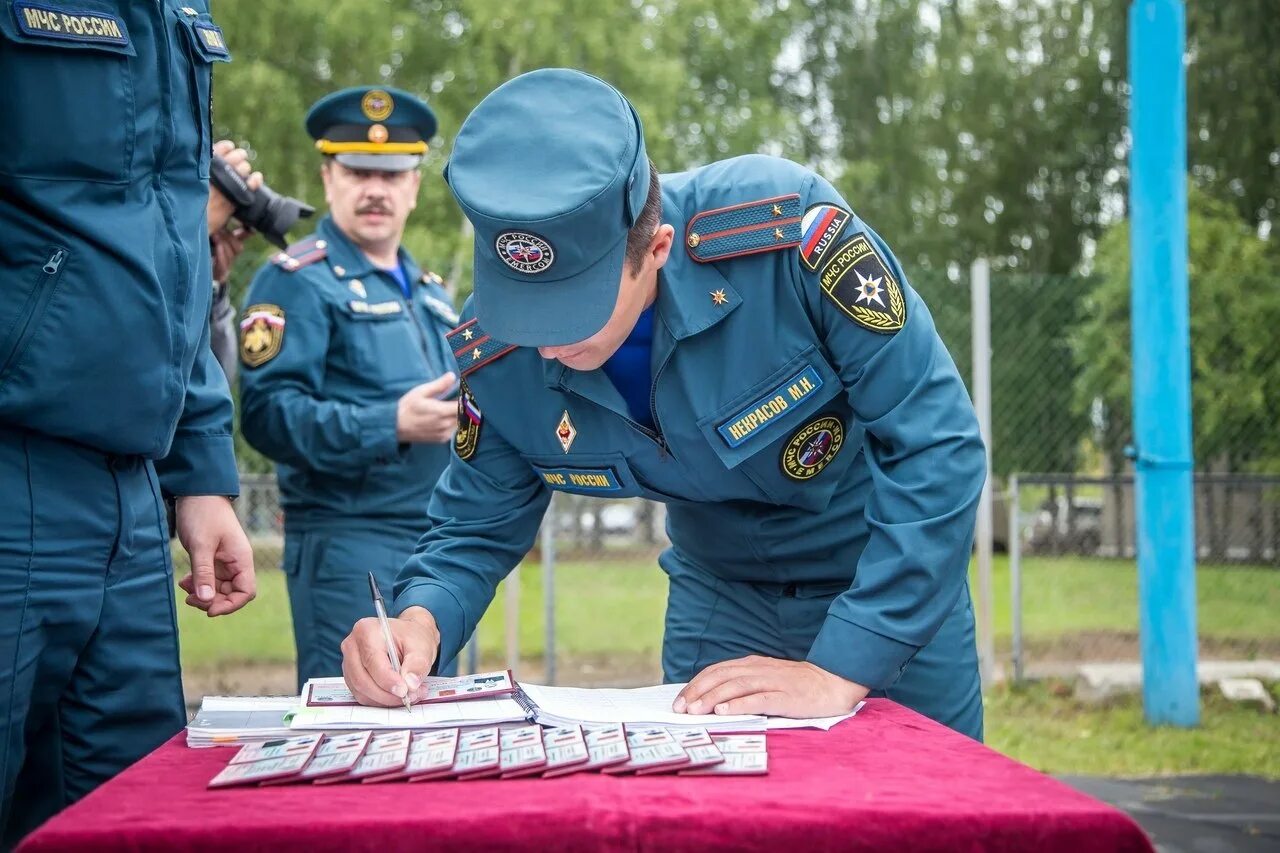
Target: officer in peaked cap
(348, 380)
(733, 341)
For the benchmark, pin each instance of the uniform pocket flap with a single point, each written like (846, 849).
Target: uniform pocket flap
(207, 39)
(601, 474)
(81, 25)
(759, 416)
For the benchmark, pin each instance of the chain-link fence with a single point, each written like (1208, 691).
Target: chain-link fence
(1072, 582)
(1061, 402)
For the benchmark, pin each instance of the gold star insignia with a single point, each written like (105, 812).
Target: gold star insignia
(777, 210)
(777, 234)
(718, 297)
(467, 334)
(475, 354)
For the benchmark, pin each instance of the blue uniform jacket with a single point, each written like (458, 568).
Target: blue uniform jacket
(323, 403)
(801, 441)
(104, 261)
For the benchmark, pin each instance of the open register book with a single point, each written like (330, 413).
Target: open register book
(548, 706)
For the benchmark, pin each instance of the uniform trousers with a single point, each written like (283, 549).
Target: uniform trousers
(89, 673)
(327, 571)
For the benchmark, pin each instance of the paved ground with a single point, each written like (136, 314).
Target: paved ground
(1196, 814)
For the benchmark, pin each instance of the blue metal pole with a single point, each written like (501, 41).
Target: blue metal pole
(1162, 362)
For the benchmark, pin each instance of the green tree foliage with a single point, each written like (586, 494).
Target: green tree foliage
(698, 71)
(1233, 104)
(969, 128)
(957, 128)
(980, 128)
(1235, 363)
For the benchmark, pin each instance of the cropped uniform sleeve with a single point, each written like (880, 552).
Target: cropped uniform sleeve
(201, 459)
(922, 445)
(484, 515)
(283, 411)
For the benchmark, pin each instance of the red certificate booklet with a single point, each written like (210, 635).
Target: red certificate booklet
(331, 692)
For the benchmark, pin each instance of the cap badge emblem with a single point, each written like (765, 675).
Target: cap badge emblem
(376, 105)
(524, 252)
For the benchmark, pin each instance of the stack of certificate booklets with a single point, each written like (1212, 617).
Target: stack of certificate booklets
(236, 720)
(494, 752)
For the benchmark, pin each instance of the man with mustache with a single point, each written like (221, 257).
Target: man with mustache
(347, 379)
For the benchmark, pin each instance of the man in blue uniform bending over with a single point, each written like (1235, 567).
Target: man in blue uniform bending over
(796, 410)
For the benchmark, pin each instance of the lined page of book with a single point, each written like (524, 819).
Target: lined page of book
(641, 706)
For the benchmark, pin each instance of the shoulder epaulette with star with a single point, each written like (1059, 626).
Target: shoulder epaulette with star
(301, 254)
(473, 348)
(765, 225)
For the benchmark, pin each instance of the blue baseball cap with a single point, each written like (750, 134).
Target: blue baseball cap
(376, 128)
(551, 170)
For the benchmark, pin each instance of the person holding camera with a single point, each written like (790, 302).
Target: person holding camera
(347, 378)
(225, 245)
(110, 400)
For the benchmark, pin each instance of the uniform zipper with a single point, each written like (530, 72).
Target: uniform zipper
(663, 450)
(54, 263)
(34, 308)
(653, 435)
(656, 438)
(417, 325)
(653, 410)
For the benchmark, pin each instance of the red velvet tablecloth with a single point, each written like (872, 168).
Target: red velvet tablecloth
(889, 779)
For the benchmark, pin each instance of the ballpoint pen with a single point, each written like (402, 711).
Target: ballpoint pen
(381, 610)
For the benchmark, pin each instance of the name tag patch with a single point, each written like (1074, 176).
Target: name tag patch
(212, 39)
(758, 415)
(39, 19)
(376, 308)
(587, 480)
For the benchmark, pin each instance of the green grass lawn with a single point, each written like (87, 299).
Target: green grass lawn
(612, 610)
(616, 607)
(1062, 595)
(1041, 725)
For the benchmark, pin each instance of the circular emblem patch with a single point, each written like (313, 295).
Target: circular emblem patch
(524, 252)
(812, 447)
(376, 104)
